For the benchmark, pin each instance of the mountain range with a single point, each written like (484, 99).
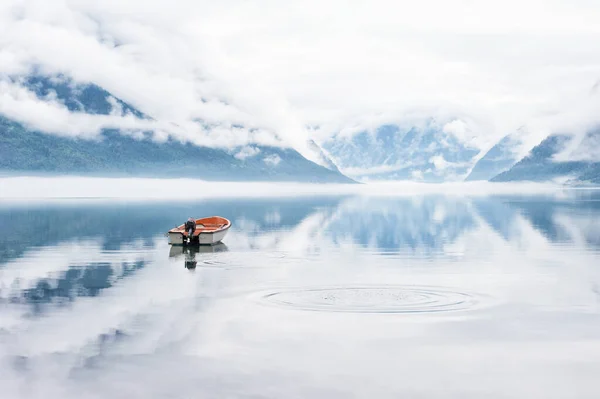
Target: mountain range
(541, 164)
(24, 150)
(425, 153)
(391, 152)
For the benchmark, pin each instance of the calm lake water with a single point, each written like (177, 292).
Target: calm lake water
(426, 296)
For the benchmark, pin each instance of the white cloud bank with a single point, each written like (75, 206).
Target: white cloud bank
(485, 68)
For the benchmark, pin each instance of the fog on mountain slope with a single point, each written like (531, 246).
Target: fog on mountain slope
(497, 160)
(541, 164)
(117, 152)
(390, 152)
(85, 98)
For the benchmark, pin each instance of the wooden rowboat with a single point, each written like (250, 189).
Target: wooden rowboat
(209, 231)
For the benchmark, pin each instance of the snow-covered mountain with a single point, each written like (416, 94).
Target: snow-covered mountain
(498, 159)
(321, 158)
(391, 152)
(25, 150)
(559, 157)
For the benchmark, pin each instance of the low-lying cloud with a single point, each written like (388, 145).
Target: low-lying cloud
(265, 72)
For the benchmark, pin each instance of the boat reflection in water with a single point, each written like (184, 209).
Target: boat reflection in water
(189, 252)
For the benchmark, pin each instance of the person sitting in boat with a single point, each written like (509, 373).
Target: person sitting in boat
(190, 228)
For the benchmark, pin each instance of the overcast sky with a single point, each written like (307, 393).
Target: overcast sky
(485, 68)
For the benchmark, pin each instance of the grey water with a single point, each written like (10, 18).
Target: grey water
(426, 296)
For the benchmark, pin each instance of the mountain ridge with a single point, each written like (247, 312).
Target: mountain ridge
(392, 152)
(496, 160)
(25, 150)
(539, 165)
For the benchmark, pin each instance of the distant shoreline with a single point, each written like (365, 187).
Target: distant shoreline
(14, 188)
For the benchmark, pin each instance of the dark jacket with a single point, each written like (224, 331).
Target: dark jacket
(190, 225)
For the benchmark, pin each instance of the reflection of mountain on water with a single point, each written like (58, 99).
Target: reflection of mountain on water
(541, 217)
(120, 223)
(565, 218)
(116, 224)
(77, 281)
(123, 237)
(497, 214)
(119, 229)
(575, 218)
(425, 224)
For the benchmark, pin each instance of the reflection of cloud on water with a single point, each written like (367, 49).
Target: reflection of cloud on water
(582, 228)
(549, 266)
(197, 334)
(47, 275)
(422, 225)
(118, 223)
(248, 226)
(307, 234)
(127, 306)
(273, 217)
(165, 332)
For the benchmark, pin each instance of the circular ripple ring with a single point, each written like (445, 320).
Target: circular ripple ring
(384, 299)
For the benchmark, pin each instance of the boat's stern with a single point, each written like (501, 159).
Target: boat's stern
(175, 238)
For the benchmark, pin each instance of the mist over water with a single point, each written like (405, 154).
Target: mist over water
(326, 295)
